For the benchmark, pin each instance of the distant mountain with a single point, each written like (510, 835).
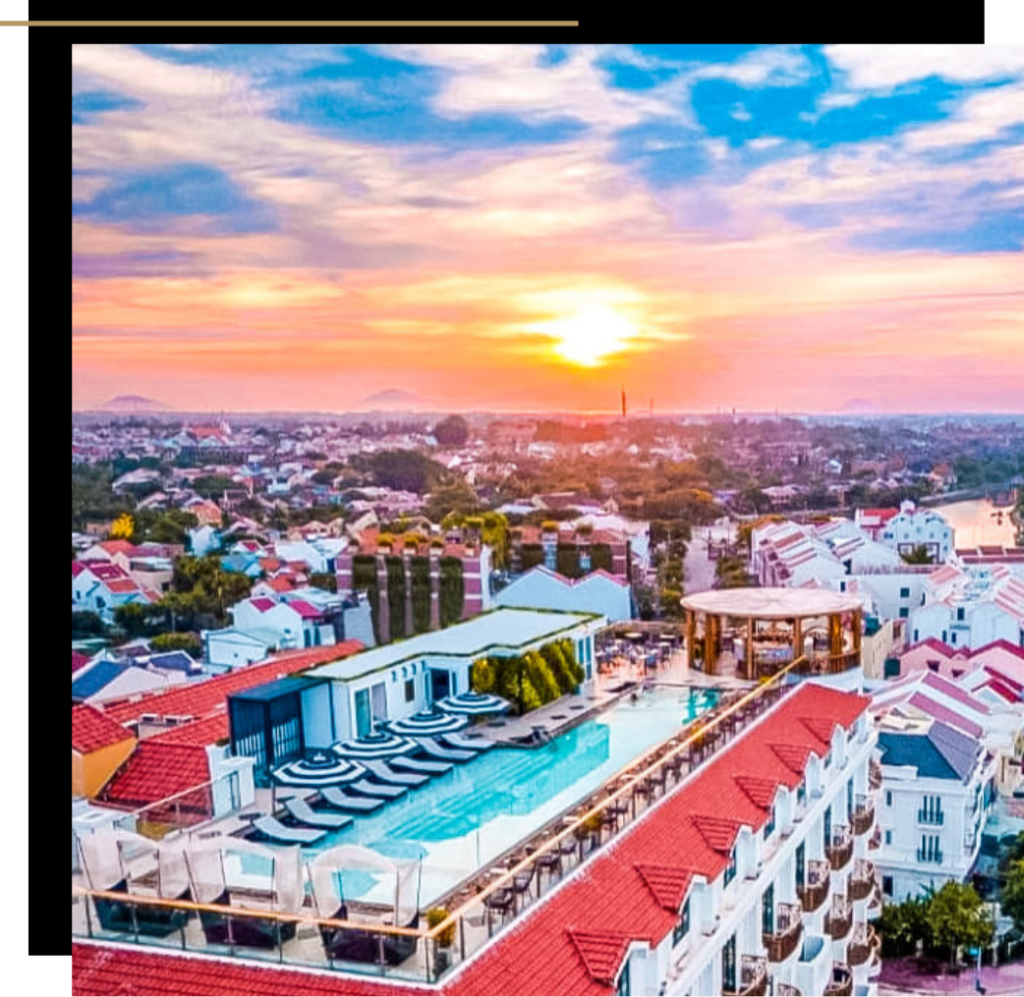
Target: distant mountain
(395, 398)
(132, 403)
(859, 406)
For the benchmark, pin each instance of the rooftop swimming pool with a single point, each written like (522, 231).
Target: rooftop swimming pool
(462, 820)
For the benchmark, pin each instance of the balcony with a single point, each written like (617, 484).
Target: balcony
(933, 856)
(813, 893)
(753, 977)
(789, 928)
(840, 849)
(787, 990)
(859, 950)
(839, 919)
(841, 984)
(874, 774)
(933, 818)
(862, 880)
(875, 841)
(863, 816)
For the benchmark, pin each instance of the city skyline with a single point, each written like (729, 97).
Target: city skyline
(526, 228)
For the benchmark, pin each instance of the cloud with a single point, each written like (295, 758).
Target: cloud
(886, 66)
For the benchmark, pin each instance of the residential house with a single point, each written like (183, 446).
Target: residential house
(99, 745)
(598, 592)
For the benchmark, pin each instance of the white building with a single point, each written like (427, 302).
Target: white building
(970, 606)
(937, 788)
(913, 527)
(540, 588)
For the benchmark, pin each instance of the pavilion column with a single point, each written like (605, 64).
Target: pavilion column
(712, 626)
(798, 637)
(691, 635)
(750, 647)
(835, 634)
(857, 613)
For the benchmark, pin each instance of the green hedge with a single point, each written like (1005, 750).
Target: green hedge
(452, 591)
(530, 555)
(364, 577)
(567, 560)
(396, 596)
(601, 557)
(419, 579)
(530, 680)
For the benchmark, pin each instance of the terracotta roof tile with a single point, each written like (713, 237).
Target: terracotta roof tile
(602, 952)
(156, 771)
(668, 884)
(91, 730)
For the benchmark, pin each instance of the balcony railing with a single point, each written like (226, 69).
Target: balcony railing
(789, 928)
(862, 880)
(753, 977)
(839, 919)
(569, 841)
(841, 984)
(814, 891)
(840, 849)
(859, 950)
(875, 841)
(923, 855)
(863, 815)
(934, 818)
(874, 774)
(787, 990)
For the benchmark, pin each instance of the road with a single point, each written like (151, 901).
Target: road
(698, 571)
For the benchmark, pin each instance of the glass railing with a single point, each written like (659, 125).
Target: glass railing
(481, 910)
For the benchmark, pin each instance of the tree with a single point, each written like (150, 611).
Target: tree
(324, 580)
(189, 643)
(1012, 897)
(919, 555)
(903, 925)
(123, 527)
(452, 432)
(958, 917)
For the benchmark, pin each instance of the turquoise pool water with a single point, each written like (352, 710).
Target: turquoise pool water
(458, 822)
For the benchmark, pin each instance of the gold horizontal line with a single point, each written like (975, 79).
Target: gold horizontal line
(290, 24)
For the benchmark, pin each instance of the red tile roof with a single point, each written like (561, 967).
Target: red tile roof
(209, 730)
(108, 971)
(262, 604)
(198, 699)
(573, 942)
(157, 770)
(78, 660)
(305, 610)
(122, 585)
(91, 730)
(118, 547)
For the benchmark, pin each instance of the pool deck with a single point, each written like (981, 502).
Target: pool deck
(596, 696)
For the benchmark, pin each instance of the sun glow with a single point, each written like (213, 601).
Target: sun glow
(589, 335)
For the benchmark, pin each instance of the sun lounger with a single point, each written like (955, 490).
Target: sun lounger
(377, 789)
(342, 800)
(386, 774)
(467, 743)
(271, 827)
(419, 765)
(433, 748)
(304, 813)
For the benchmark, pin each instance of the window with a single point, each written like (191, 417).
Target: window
(934, 665)
(768, 910)
(888, 837)
(904, 612)
(801, 792)
(849, 797)
(410, 690)
(960, 612)
(770, 825)
(888, 797)
(800, 864)
(730, 869)
(683, 924)
(905, 592)
(828, 825)
(952, 637)
(729, 965)
(887, 885)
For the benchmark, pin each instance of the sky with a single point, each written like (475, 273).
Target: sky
(280, 227)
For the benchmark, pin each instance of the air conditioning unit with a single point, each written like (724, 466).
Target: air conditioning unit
(174, 721)
(149, 718)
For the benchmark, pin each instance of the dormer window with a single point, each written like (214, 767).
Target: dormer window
(730, 869)
(683, 924)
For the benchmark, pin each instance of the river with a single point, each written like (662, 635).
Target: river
(975, 523)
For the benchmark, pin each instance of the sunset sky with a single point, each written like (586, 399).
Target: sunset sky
(299, 227)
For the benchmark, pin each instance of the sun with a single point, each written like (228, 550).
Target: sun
(589, 335)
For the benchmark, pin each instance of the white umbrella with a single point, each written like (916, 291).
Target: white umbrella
(321, 769)
(474, 704)
(427, 722)
(376, 745)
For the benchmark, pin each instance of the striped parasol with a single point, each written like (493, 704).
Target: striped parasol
(380, 744)
(321, 769)
(428, 722)
(474, 704)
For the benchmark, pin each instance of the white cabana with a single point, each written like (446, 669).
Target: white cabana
(329, 869)
(213, 875)
(114, 857)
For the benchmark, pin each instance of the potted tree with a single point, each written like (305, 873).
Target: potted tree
(444, 939)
